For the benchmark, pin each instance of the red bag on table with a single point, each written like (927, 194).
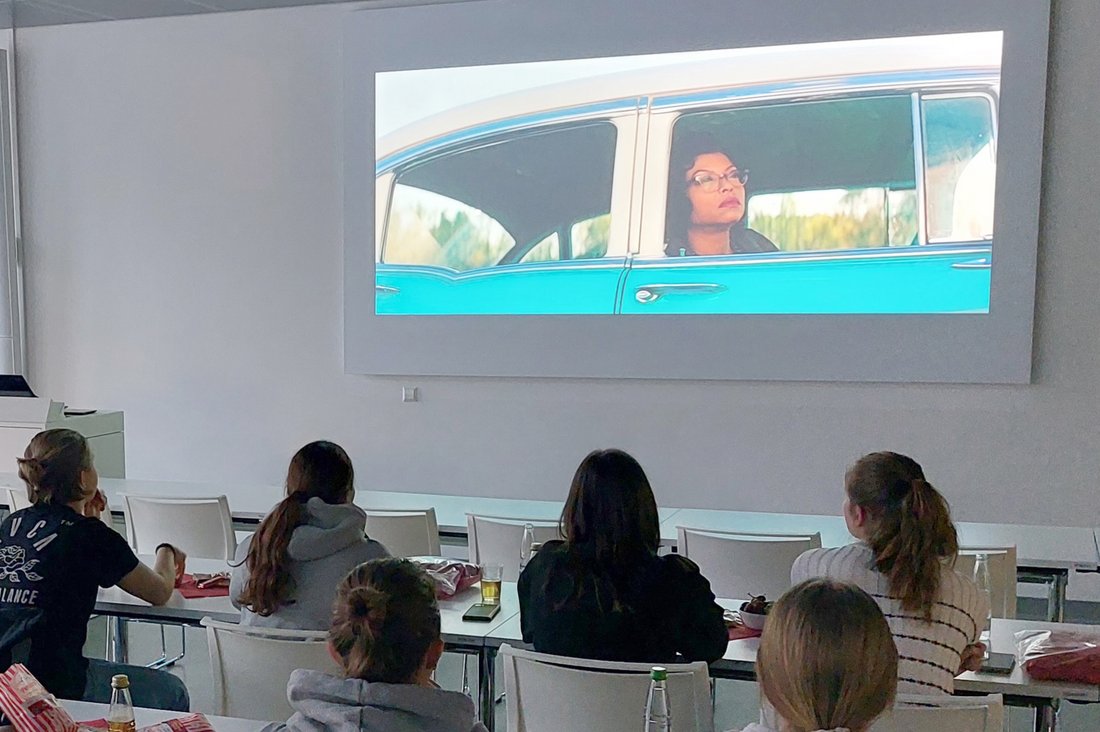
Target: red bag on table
(28, 706)
(190, 723)
(1059, 655)
(451, 576)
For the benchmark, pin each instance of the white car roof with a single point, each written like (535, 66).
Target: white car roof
(741, 68)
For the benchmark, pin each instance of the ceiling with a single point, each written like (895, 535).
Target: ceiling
(24, 13)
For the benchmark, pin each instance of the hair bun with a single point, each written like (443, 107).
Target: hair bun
(30, 469)
(367, 605)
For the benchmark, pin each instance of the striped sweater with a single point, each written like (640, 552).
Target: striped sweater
(929, 653)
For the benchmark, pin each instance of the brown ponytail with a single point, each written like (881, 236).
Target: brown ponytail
(52, 464)
(912, 534)
(318, 470)
(384, 620)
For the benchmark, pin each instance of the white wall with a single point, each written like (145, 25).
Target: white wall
(182, 214)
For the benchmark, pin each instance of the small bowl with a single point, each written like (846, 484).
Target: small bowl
(753, 620)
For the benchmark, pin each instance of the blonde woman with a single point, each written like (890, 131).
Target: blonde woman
(826, 662)
(904, 559)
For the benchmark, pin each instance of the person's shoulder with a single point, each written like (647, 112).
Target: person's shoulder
(750, 240)
(830, 562)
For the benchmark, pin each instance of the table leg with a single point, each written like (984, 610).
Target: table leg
(117, 632)
(1046, 716)
(1056, 599)
(486, 686)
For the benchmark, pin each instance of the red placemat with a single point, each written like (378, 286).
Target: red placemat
(189, 589)
(740, 632)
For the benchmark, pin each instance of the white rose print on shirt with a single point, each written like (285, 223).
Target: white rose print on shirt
(14, 562)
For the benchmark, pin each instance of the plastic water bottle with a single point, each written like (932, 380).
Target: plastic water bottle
(526, 547)
(981, 579)
(658, 715)
(120, 716)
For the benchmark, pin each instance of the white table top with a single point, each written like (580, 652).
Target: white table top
(741, 655)
(87, 711)
(455, 630)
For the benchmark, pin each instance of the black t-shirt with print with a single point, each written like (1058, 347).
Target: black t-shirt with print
(52, 562)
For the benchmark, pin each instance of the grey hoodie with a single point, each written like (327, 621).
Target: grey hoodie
(329, 543)
(324, 702)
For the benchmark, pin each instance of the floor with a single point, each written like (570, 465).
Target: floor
(736, 701)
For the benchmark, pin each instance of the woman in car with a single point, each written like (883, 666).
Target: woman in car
(706, 206)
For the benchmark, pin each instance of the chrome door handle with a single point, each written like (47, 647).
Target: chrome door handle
(651, 293)
(386, 290)
(982, 263)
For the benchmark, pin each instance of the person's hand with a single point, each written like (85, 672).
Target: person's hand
(179, 558)
(972, 657)
(95, 505)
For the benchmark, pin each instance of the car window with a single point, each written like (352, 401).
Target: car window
(589, 238)
(547, 250)
(835, 218)
(960, 167)
(820, 175)
(495, 202)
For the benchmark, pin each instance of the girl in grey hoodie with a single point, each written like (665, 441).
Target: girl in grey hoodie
(827, 661)
(385, 635)
(286, 573)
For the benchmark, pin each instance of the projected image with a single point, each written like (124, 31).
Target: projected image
(850, 177)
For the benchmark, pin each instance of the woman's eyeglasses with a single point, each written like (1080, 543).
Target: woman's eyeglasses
(710, 182)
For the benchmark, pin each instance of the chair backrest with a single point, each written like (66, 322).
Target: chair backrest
(251, 667)
(16, 498)
(552, 693)
(499, 539)
(738, 564)
(928, 713)
(1002, 575)
(201, 527)
(405, 533)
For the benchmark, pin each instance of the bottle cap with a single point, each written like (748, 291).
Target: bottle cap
(659, 673)
(121, 681)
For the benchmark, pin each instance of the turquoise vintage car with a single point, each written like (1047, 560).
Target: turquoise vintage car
(872, 171)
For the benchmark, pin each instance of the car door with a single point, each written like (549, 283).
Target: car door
(519, 223)
(841, 186)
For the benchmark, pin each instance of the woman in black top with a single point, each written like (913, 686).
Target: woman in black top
(603, 592)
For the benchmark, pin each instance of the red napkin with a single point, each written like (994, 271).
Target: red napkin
(739, 632)
(189, 588)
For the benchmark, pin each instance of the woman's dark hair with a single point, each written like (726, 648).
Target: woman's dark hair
(610, 516)
(685, 149)
(319, 470)
(384, 620)
(911, 529)
(51, 466)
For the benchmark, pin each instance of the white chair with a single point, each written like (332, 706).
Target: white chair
(738, 564)
(928, 713)
(1001, 561)
(201, 527)
(553, 693)
(251, 667)
(498, 539)
(16, 498)
(405, 533)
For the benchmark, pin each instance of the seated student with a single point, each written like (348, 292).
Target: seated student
(604, 593)
(55, 555)
(826, 661)
(904, 558)
(385, 637)
(286, 573)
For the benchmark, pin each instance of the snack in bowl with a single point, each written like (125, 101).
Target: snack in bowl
(755, 611)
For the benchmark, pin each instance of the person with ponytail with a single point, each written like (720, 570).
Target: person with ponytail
(54, 557)
(827, 661)
(905, 559)
(385, 638)
(286, 573)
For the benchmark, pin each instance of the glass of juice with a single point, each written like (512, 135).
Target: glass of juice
(491, 575)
